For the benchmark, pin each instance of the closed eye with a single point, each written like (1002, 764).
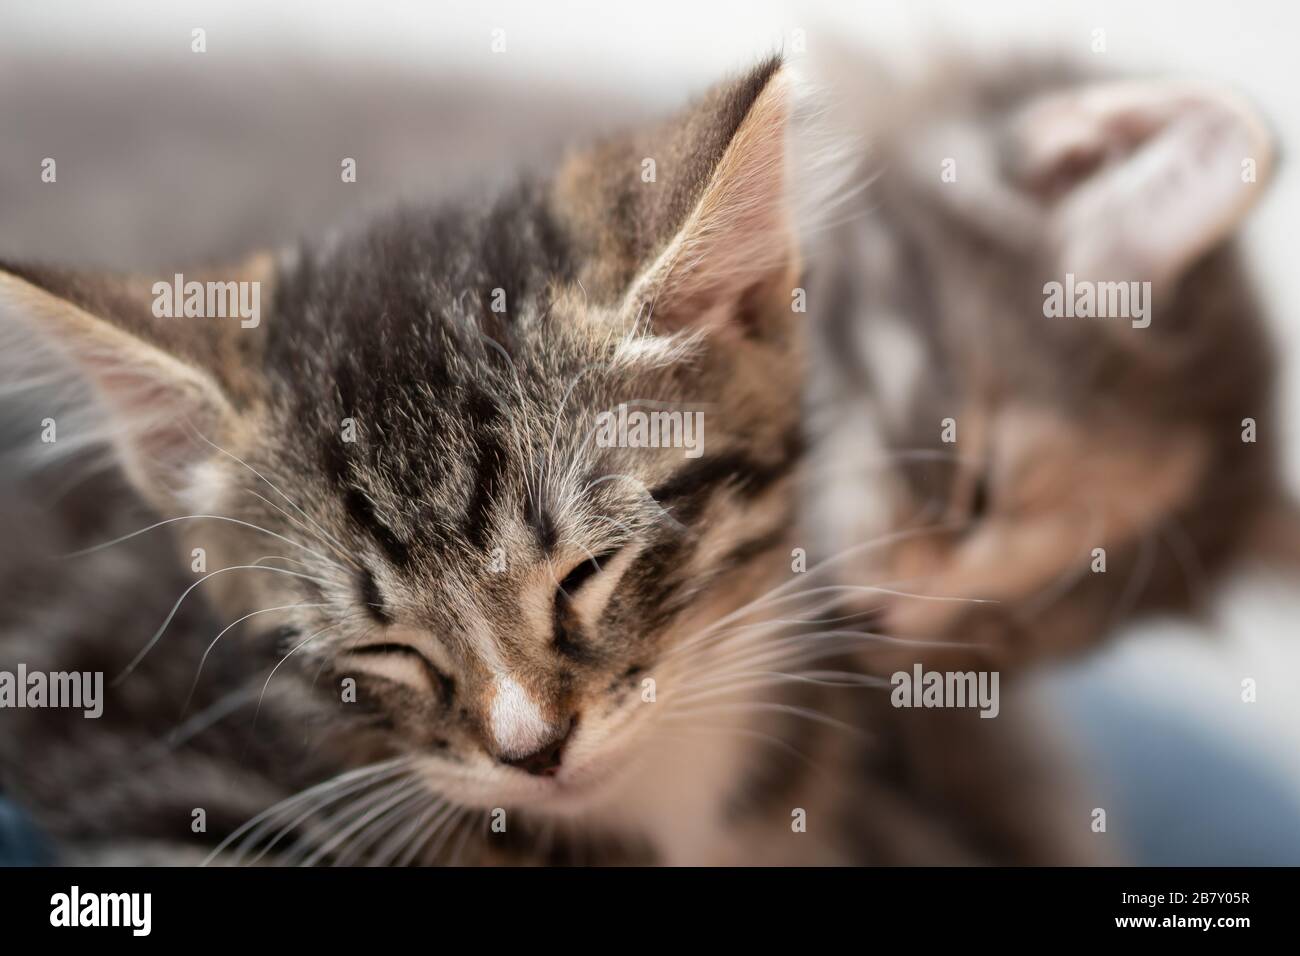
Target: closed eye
(391, 648)
(567, 633)
(438, 680)
(581, 574)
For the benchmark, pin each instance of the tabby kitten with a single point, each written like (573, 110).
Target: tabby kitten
(1070, 472)
(444, 623)
(472, 596)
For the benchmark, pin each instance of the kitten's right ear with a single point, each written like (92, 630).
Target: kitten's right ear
(1141, 177)
(687, 223)
(163, 385)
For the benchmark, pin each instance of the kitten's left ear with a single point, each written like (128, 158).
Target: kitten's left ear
(163, 384)
(687, 224)
(1142, 176)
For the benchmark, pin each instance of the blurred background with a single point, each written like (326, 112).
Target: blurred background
(168, 156)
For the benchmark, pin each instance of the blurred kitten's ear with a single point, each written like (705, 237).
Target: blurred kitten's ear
(687, 224)
(1144, 176)
(157, 383)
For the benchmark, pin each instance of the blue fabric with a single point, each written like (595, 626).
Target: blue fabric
(1178, 792)
(21, 844)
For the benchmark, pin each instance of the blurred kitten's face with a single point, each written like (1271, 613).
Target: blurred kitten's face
(1038, 472)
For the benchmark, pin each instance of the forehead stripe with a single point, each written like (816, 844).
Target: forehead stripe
(363, 513)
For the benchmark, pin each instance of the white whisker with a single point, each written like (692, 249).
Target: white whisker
(250, 829)
(204, 659)
(176, 607)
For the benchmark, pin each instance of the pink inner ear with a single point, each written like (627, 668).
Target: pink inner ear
(159, 423)
(738, 236)
(1144, 176)
(1067, 137)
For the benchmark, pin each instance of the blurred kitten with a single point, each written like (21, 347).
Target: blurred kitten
(1070, 471)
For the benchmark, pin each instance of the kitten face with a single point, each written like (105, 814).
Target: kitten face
(497, 582)
(1004, 446)
(415, 508)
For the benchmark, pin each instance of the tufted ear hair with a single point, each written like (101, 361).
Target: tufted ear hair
(687, 224)
(160, 382)
(1141, 177)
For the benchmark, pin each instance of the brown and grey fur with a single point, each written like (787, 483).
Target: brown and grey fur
(1071, 434)
(473, 433)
